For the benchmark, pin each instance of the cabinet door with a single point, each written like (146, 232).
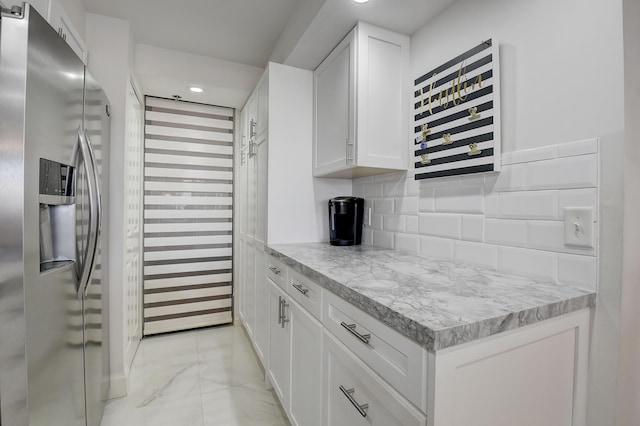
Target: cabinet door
(382, 117)
(261, 176)
(59, 20)
(263, 107)
(41, 6)
(261, 329)
(279, 343)
(334, 119)
(355, 395)
(241, 216)
(251, 195)
(306, 364)
(250, 288)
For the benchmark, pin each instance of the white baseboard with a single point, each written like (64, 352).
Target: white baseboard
(119, 386)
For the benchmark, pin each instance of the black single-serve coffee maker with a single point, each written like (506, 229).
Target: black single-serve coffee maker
(345, 221)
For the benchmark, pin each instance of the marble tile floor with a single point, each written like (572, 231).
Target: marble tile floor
(208, 377)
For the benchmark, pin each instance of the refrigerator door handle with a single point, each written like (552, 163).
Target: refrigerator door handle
(84, 271)
(96, 204)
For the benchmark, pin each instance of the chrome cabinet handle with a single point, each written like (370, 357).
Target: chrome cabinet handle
(351, 328)
(300, 288)
(279, 309)
(284, 316)
(360, 407)
(349, 157)
(275, 270)
(252, 128)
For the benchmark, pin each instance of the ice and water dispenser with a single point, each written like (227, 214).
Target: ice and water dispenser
(57, 215)
(345, 221)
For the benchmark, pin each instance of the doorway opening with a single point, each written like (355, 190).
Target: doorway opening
(188, 215)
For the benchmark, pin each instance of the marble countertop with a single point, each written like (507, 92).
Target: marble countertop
(436, 303)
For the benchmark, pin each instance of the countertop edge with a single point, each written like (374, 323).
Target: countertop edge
(434, 340)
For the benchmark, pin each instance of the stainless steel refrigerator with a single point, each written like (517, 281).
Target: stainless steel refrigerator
(54, 151)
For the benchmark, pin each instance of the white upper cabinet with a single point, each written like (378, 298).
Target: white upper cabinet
(41, 6)
(61, 22)
(361, 105)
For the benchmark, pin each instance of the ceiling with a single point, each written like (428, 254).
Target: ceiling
(247, 31)
(241, 31)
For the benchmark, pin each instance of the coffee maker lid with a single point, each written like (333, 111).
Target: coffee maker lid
(344, 199)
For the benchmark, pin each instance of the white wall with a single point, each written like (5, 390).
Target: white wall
(561, 64)
(629, 372)
(561, 81)
(164, 73)
(298, 202)
(110, 44)
(76, 11)
(512, 221)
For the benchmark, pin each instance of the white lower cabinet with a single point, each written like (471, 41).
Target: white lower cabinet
(261, 327)
(249, 291)
(279, 343)
(355, 395)
(306, 364)
(332, 364)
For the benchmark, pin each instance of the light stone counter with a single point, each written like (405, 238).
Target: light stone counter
(436, 303)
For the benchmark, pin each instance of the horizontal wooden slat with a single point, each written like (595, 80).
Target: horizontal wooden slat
(185, 308)
(187, 106)
(188, 187)
(151, 143)
(186, 323)
(186, 254)
(188, 133)
(186, 241)
(187, 173)
(188, 214)
(187, 267)
(187, 227)
(185, 281)
(181, 119)
(181, 201)
(187, 294)
(190, 160)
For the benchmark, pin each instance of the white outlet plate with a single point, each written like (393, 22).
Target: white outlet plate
(578, 226)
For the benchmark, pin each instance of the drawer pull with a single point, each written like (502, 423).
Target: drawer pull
(274, 270)
(360, 407)
(351, 328)
(284, 304)
(300, 288)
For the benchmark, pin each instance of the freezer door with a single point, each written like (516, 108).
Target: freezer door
(97, 126)
(41, 79)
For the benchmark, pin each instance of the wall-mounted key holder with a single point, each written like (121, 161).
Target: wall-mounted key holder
(473, 149)
(473, 113)
(457, 111)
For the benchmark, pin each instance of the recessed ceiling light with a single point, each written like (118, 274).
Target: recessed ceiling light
(196, 89)
(361, 1)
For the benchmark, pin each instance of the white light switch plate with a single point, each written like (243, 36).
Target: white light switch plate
(578, 226)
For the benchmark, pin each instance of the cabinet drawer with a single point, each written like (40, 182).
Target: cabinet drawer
(306, 293)
(397, 359)
(354, 395)
(277, 271)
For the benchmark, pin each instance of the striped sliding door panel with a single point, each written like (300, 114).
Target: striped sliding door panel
(188, 193)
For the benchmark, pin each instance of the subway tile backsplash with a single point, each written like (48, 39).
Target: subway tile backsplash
(512, 221)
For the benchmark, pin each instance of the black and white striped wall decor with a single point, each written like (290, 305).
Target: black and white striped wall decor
(457, 115)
